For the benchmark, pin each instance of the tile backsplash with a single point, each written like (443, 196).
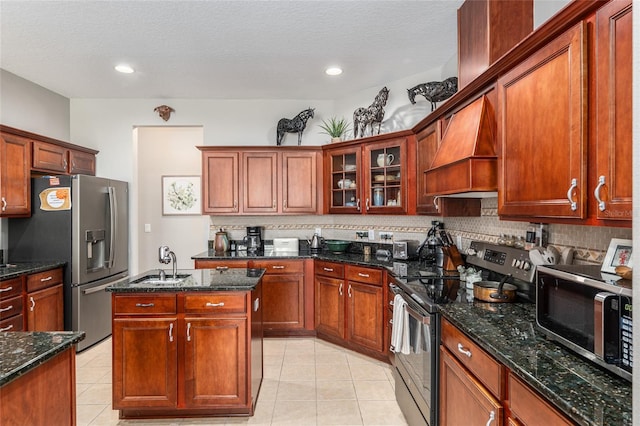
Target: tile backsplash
(590, 242)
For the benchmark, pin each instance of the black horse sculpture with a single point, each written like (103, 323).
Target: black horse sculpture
(434, 91)
(296, 124)
(374, 113)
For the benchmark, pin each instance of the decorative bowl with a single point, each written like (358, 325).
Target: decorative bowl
(337, 246)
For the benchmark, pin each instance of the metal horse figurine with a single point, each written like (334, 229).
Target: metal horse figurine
(374, 113)
(434, 91)
(296, 124)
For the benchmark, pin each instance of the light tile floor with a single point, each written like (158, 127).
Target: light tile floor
(307, 381)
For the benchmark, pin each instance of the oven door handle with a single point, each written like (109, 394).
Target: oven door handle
(422, 318)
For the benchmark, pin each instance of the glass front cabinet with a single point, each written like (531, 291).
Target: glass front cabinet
(368, 177)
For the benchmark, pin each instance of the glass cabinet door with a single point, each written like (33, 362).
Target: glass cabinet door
(345, 181)
(385, 176)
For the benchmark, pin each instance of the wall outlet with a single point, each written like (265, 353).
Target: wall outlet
(372, 235)
(386, 236)
(318, 232)
(147, 227)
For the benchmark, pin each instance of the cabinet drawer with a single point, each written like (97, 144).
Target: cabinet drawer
(279, 266)
(44, 279)
(11, 288)
(144, 304)
(531, 409)
(15, 323)
(220, 264)
(364, 275)
(482, 365)
(329, 269)
(11, 307)
(215, 302)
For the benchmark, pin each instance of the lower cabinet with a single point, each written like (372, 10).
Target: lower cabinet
(187, 354)
(11, 304)
(45, 301)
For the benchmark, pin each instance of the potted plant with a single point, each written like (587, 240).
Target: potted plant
(334, 127)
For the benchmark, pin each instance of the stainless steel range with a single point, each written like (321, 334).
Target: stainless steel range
(416, 361)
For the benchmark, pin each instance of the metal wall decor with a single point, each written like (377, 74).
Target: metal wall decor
(369, 116)
(164, 111)
(294, 125)
(434, 91)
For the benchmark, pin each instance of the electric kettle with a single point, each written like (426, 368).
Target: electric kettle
(316, 242)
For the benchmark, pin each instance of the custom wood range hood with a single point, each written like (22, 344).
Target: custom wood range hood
(466, 164)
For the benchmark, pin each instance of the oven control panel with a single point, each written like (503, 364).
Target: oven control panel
(501, 259)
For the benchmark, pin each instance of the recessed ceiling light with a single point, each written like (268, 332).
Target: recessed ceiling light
(333, 71)
(124, 68)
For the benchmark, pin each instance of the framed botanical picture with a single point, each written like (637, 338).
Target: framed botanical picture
(618, 254)
(181, 195)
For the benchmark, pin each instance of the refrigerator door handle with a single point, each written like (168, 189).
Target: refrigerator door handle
(113, 208)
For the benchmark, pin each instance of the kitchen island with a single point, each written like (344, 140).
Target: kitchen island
(33, 364)
(190, 346)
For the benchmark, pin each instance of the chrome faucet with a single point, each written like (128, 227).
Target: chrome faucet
(166, 256)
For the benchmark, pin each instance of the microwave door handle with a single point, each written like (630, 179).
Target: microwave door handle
(113, 222)
(599, 322)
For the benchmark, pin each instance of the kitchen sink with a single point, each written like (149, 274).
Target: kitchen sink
(156, 280)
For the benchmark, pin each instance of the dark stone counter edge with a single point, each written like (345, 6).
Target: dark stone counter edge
(18, 268)
(73, 337)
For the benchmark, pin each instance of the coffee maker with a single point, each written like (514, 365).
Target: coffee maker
(253, 239)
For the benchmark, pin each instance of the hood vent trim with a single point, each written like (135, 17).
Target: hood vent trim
(466, 160)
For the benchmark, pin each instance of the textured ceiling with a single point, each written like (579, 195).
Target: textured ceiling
(223, 49)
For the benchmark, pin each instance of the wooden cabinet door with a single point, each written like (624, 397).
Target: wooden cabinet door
(542, 132)
(427, 143)
(145, 359)
(342, 166)
(614, 110)
(330, 306)
(365, 315)
(299, 182)
(45, 309)
(50, 157)
(221, 182)
(82, 163)
(388, 179)
(529, 408)
(260, 182)
(283, 302)
(15, 175)
(463, 400)
(215, 362)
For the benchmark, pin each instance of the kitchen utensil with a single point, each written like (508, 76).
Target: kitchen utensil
(221, 242)
(495, 292)
(625, 272)
(337, 246)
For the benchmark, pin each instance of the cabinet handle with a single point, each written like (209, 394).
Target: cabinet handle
(235, 204)
(274, 204)
(188, 332)
(277, 267)
(340, 289)
(492, 417)
(358, 204)
(171, 332)
(601, 204)
(349, 290)
(145, 305)
(256, 304)
(284, 204)
(213, 305)
(360, 274)
(2, 290)
(367, 204)
(391, 321)
(7, 328)
(33, 303)
(464, 350)
(8, 308)
(49, 278)
(221, 268)
(4, 204)
(65, 164)
(391, 302)
(328, 269)
(435, 203)
(574, 185)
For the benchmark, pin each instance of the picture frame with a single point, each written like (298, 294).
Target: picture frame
(181, 196)
(618, 254)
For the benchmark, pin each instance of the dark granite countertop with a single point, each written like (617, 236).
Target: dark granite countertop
(21, 352)
(12, 270)
(584, 392)
(240, 279)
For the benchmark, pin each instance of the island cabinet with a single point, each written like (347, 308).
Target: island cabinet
(258, 180)
(45, 301)
(374, 175)
(15, 175)
(350, 306)
(477, 389)
(11, 304)
(206, 349)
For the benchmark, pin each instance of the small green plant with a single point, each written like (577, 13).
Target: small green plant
(335, 127)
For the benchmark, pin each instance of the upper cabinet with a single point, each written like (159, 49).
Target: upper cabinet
(487, 29)
(542, 131)
(48, 157)
(372, 176)
(256, 180)
(15, 175)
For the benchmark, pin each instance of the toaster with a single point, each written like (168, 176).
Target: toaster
(405, 249)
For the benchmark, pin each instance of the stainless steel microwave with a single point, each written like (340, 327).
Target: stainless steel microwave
(589, 312)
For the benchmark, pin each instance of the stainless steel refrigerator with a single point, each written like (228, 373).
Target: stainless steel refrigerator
(83, 221)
